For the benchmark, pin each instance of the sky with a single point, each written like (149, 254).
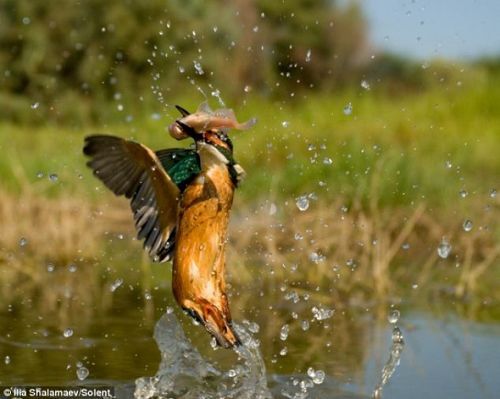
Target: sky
(425, 29)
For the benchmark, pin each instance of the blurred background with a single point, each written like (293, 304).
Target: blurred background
(372, 184)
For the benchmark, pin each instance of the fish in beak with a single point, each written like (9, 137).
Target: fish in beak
(205, 119)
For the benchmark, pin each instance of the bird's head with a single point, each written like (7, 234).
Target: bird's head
(217, 138)
(214, 146)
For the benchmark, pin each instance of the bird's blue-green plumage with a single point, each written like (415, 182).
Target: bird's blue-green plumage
(181, 164)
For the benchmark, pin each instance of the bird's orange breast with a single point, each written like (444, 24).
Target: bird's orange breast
(199, 257)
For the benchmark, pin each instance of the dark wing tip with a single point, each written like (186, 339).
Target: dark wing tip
(95, 142)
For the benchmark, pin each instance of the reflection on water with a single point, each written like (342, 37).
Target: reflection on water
(344, 356)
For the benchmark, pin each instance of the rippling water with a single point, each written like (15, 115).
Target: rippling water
(343, 356)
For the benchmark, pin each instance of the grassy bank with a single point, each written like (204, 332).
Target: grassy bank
(421, 147)
(384, 184)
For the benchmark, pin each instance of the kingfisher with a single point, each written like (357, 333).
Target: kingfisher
(181, 200)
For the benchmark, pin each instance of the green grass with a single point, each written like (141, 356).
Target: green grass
(403, 142)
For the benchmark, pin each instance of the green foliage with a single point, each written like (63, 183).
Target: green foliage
(79, 61)
(402, 144)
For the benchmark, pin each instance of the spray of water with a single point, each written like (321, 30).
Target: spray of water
(183, 373)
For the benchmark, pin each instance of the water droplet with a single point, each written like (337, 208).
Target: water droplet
(217, 95)
(351, 263)
(231, 373)
(284, 332)
(365, 85)
(448, 164)
(319, 377)
(444, 248)
(53, 177)
(253, 327)
(6, 360)
(298, 236)
(348, 109)
(170, 310)
(255, 28)
(82, 373)
(316, 257)
(148, 296)
(272, 209)
(247, 89)
(50, 267)
(463, 193)
(493, 193)
(327, 161)
(304, 325)
(302, 203)
(285, 124)
(393, 316)
(35, 105)
(308, 55)
(72, 267)
(116, 284)
(292, 296)
(182, 69)
(284, 351)
(467, 225)
(23, 241)
(397, 336)
(68, 332)
(198, 68)
(39, 175)
(405, 246)
(322, 313)
(414, 286)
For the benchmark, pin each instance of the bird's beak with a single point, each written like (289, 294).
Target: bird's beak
(216, 324)
(188, 130)
(225, 336)
(183, 111)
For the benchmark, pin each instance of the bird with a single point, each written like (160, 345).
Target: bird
(181, 200)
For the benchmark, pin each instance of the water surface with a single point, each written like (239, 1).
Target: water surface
(443, 356)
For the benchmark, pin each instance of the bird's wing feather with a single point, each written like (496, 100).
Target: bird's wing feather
(133, 170)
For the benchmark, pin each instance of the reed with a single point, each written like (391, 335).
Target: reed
(61, 252)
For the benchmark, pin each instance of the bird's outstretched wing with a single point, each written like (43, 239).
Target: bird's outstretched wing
(133, 170)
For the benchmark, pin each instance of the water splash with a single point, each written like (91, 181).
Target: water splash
(183, 373)
(392, 363)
